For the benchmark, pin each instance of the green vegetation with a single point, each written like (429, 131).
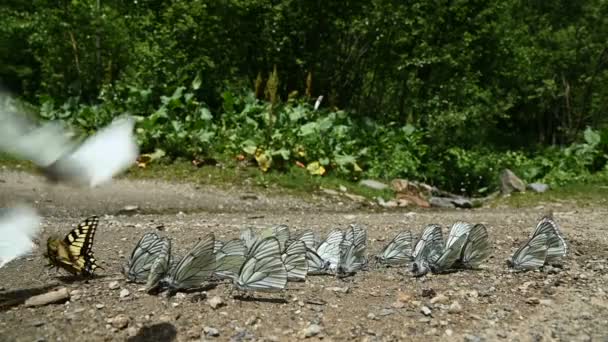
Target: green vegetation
(445, 93)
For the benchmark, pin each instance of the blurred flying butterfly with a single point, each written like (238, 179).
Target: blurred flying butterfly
(18, 226)
(74, 252)
(95, 161)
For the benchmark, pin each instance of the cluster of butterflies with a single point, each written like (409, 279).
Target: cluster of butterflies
(262, 261)
(61, 158)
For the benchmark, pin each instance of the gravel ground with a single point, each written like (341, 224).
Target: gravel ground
(567, 303)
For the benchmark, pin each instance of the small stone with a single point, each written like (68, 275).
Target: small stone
(57, 296)
(533, 301)
(39, 323)
(194, 333)
(546, 302)
(338, 289)
(124, 293)
(113, 285)
(426, 310)
(99, 306)
(398, 305)
(449, 332)
(120, 321)
(373, 184)
(210, 331)
(455, 307)
(538, 187)
(215, 302)
(371, 316)
(312, 330)
(131, 332)
(180, 295)
(343, 188)
(128, 210)
(165, 318)
(440, 299)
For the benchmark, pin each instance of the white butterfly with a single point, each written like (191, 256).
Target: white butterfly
(250, 237)
(195, 267)
(476, 249)
(110, 151)
(329, 249)
(430, 236)
(229, 258)
(161, 265)
(398, 251)
(295, 261)
(18, 226)
(143, 256)
(544, 246)
(263, 270)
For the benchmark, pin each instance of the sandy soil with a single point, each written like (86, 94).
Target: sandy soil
(559, 304)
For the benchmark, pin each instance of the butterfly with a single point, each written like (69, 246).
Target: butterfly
(352, 251)
(329, 249)
(95, 161)
(281, 232)
(161, 265)
(545, 245)
(263, 269)
(142, 258)
(194, 268)
(428, 249)
(74, 253)
(476, 249)
(295, 261)
(229, 257)
(398, 251)
(18, 226)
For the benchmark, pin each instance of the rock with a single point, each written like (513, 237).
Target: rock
(405, 200)
(124, 293)
(215, 302)
(462, 202)
(128, 210)
(131, 332)
(113, 285)
(338, 289)
(210, 331)
(426, 310)
(440, 299)
(57, 296)
(546, 302)
(538, 187)
(387, 204)
(194, 333)
(312, 330)
(99, 306)
(355, 198)
(449, 332)
(441, 202)
(455, 307)
(371, 316)
(373, 184)
(343, 188)
(120, 321)
(330, 192)
(509, 182)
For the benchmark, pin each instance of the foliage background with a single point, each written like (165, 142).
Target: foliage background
(448, 92)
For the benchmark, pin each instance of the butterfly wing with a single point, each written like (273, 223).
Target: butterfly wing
(352, 251)
(450, 255)
(458, 229)
(248, 237)
(432, 237)
(143, 257)
(79, 244)
(532, 254)
(195, 267)
(160, 266)
(329, 250)
(316, 264)
(110, 151)
(263, 270)
(308, 238)
(398, 251)
(281, 232)
(295, 261)
(557, 247)
(476, 248)
(18, 226)
(229, 259)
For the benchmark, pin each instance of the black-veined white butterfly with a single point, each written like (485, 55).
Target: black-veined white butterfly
(546, 234)
(431, 236)
(228, 258)
(398, 251)
(329, 249)
(352, 251)
(142, 257)
(161, 265)
(295, 261)
(557, 247)
(194, 268)
(263, 269)
(476, 249)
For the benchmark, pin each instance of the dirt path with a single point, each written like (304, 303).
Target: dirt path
(383, 304)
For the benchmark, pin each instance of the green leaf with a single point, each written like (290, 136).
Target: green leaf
(592, 137)
(196, 83)
(205, 114)
(309, 128)
(283, 153)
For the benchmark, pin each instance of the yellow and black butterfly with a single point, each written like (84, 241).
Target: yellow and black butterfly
(74, 253)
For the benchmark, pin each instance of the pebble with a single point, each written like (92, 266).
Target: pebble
(99, 306)
(215, 302)
(210, 331)
(113, 285)
(455, 307)
(533, 301)
(312, 330)
(449, 332)
(440, 299)
(124, 293)
(371, 316)
(120, 321)
(345, 289)
(131, 332)
(426, 310)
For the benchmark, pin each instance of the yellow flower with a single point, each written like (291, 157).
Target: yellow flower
(315, 168)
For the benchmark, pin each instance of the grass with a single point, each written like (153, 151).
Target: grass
(581, 194)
